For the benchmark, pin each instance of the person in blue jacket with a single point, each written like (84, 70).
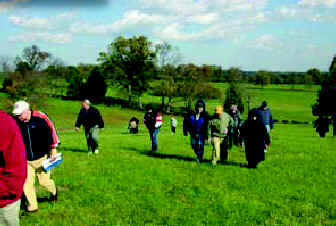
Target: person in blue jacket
(196, 124)
(265, 116)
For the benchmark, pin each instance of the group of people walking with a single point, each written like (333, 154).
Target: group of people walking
(30, 137)
(222, 130)
(26, 141)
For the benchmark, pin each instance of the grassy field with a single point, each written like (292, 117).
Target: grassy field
(126, 185)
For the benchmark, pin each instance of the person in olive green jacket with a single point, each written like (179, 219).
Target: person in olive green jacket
(218, 134)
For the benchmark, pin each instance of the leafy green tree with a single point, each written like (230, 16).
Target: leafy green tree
(130, 63)
(96, 86)
(315, 75)
(76, 83)
(324, 106)
(262, 78)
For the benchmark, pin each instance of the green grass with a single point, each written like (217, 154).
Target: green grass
(125, 185)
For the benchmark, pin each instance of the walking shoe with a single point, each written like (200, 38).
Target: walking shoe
(96, 151)
(53, 198)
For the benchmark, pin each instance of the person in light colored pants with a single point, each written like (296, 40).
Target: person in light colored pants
(9, 215)
(35, 168)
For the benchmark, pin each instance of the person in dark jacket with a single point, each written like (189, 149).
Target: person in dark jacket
(153, 122)
(13, 170)
(133, 125)
(92, 121)
(322, 125)
(255, 138)
(40, 139)
(265, 116)
(196, 124)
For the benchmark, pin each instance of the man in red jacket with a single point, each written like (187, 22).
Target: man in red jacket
(13, 170)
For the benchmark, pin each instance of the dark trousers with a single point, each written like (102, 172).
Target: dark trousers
(197, 144)
(173, 129)
(224, 147)
(153, 138)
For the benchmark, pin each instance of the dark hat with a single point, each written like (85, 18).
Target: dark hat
(264, 104)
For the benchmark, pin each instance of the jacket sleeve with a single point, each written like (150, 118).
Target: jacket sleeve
(186, 125)
(266, 136)
(13, 169)
(79, 120)
(100, 120)
(54, 139)
(271, 120)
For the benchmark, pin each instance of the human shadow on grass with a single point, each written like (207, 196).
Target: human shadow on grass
(73, 150)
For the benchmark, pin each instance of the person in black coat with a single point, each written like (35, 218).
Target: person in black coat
(92, 121)
(322, 125)
(255, 136)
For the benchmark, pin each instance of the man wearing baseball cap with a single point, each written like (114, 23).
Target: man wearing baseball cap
(40, 139)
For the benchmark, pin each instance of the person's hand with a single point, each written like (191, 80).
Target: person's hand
(53, 153)
(77, 129)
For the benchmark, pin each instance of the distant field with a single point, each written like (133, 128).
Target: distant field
(126, 185)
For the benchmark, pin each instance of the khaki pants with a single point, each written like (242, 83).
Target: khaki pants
(216, 142)
(35, 169)
(9, 215)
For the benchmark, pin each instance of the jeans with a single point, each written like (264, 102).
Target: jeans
(91, 135)
(154, 138)
(197, 144)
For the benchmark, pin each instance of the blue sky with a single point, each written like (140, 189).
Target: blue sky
(283, 35)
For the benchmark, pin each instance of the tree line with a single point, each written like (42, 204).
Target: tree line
(133, 66)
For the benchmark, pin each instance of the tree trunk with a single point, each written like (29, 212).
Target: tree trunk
(129, 94)
(139, 102)
(162, 102)
(169, 104)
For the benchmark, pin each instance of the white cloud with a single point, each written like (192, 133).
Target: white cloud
(286, 12)
(42, 23)
(173, 32)
(41, 36)
(131, 19)
(208, 18)
(266, 42)
(316, 3)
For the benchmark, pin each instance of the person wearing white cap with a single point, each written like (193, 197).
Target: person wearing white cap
(40, 139)
(92, 121)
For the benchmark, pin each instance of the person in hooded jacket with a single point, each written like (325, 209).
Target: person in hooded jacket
(196, 124)
(256, 138)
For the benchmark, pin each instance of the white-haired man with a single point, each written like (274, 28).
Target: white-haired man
(40, 139)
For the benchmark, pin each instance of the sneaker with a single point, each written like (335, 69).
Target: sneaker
(96, 151)
(90, 153)
(53, 198)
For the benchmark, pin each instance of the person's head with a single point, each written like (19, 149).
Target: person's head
(234, 107)
(264, 105)
(22, 111)
(200, 106)
(86, 104)
(219, 110)
(253, 115)
(149, 108)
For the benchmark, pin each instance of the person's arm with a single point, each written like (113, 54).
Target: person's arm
(79, 120)
(13, 168)
(52, 134)
(271, 120)
(100, 120)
